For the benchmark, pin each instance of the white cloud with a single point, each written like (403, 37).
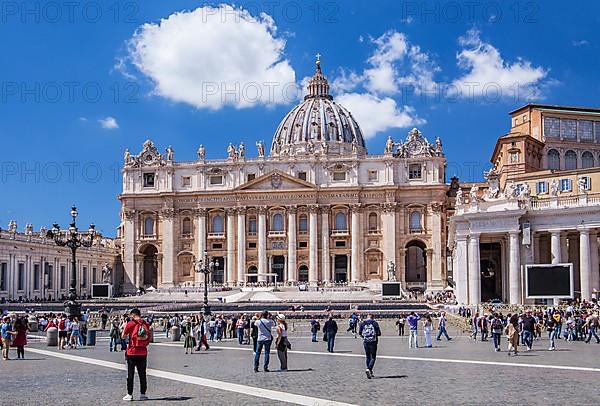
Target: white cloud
(83, 119)
(580, 43)
(486, 69)
(109, 123)
(376, 114)
(214, 56)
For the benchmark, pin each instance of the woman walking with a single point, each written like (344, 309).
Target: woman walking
(427, 328)
(188, 332)
(75, 332)
(282, 342)
(512, 331)
(20, 340)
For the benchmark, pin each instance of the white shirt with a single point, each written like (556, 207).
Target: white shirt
(264, 329)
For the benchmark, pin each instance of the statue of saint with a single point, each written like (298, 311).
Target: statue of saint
(261, 149)
(201, 152)
(554, 188)
(389, 145)
(459, 197)
(170, 153)
(231, 152)
(391, 271)
(242, 150)
(473, 193)
(107, 273)
(127, 157)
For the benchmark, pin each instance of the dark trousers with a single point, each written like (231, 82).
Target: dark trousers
(330, 341)
(497, 337)
(371, 353)
(139, 362)
(400, 329)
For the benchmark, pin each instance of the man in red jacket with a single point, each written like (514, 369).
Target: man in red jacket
(138, 333)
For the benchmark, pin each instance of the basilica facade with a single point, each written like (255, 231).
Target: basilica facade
(318, 208)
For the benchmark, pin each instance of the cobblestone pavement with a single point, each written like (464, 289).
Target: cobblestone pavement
(461, 371)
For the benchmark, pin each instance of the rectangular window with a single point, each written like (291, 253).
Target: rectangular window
(585, 130)
(551, 127)
(62, 276)
(21, 277)
(587, 182)
(251, 245)
(568, 129)
(36, 277)
(149, 179)
(566, 185)
(217, 246)
(303, 244)
(251, 176)
(94, 280)
(373, 175)
(186, 181)
(84, 277)
(216, 180)
(414, 171)
(597, 130)
(339, 176)
(3, 275)
(50, 273)
(302, 175)
(252, 226)
(340, 244)
(541, 188)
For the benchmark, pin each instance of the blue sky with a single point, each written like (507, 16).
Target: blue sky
(81, 84)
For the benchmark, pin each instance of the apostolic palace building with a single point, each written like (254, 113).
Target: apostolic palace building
(317, 208)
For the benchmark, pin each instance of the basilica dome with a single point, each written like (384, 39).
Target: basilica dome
(318, 125)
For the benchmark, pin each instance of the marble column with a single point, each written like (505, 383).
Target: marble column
(514, 268)
(262, 243)
(129, 252)
(595, 262)
(292, 268)
(429, 253)
(555, 249)
(474, 270)
(401, 266)
(355, 235)
(241, 246)
(460, 267)
(388, 225)
(564, 249)
(168, 240)
(201, 241)
(313, 271)
(230, 270)
(325, 257)
(585, 265)
(138, 264)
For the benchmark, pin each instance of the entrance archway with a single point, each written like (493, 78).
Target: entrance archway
(416, 262)
(491, 271)
(340, 269)
(253, 278)
(218, 274)
(303, 273)
(150, 266)
(278, 267)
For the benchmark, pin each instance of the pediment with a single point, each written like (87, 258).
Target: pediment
(276, 180)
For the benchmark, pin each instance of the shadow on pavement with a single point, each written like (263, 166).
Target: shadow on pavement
(391, 377)
(172, 398)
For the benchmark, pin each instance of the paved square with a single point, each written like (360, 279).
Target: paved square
(457, 372)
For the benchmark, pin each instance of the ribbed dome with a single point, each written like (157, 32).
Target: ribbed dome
(318, 125)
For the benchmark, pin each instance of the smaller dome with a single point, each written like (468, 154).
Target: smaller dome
(318, 125)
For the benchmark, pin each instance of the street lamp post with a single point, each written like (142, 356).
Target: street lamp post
(206, 266)
(73, 239)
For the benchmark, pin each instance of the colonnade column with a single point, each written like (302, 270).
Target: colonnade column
(168, 247)
(230, 265)
(388, 220)
(474, 270)
(594, 261)
(585, 265)
(514, 267)
(262, 243)
(138, 264)
(355, 235)
(201, 241)
(292, 269)
(241, 246)
(313, 272)
(326, 260)
(555, 248)
(460, 267)
(129, 264)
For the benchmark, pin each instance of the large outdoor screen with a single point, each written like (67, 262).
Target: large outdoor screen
(100, 291)
(390, 289)
(549, 281)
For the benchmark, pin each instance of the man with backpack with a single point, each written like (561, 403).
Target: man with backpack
(315, 327)
(497, 327)
(369, 330)
(62, 331)
(139, 334)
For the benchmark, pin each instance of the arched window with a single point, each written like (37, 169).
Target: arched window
(553, 159)
(587, 160)
(373, 222)
(252, 225)
(340, 221)
(186, 226)
(570, 160)
(277, 222)
(217, 224)
(415, 222)
(149, 226)
(303, 224)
